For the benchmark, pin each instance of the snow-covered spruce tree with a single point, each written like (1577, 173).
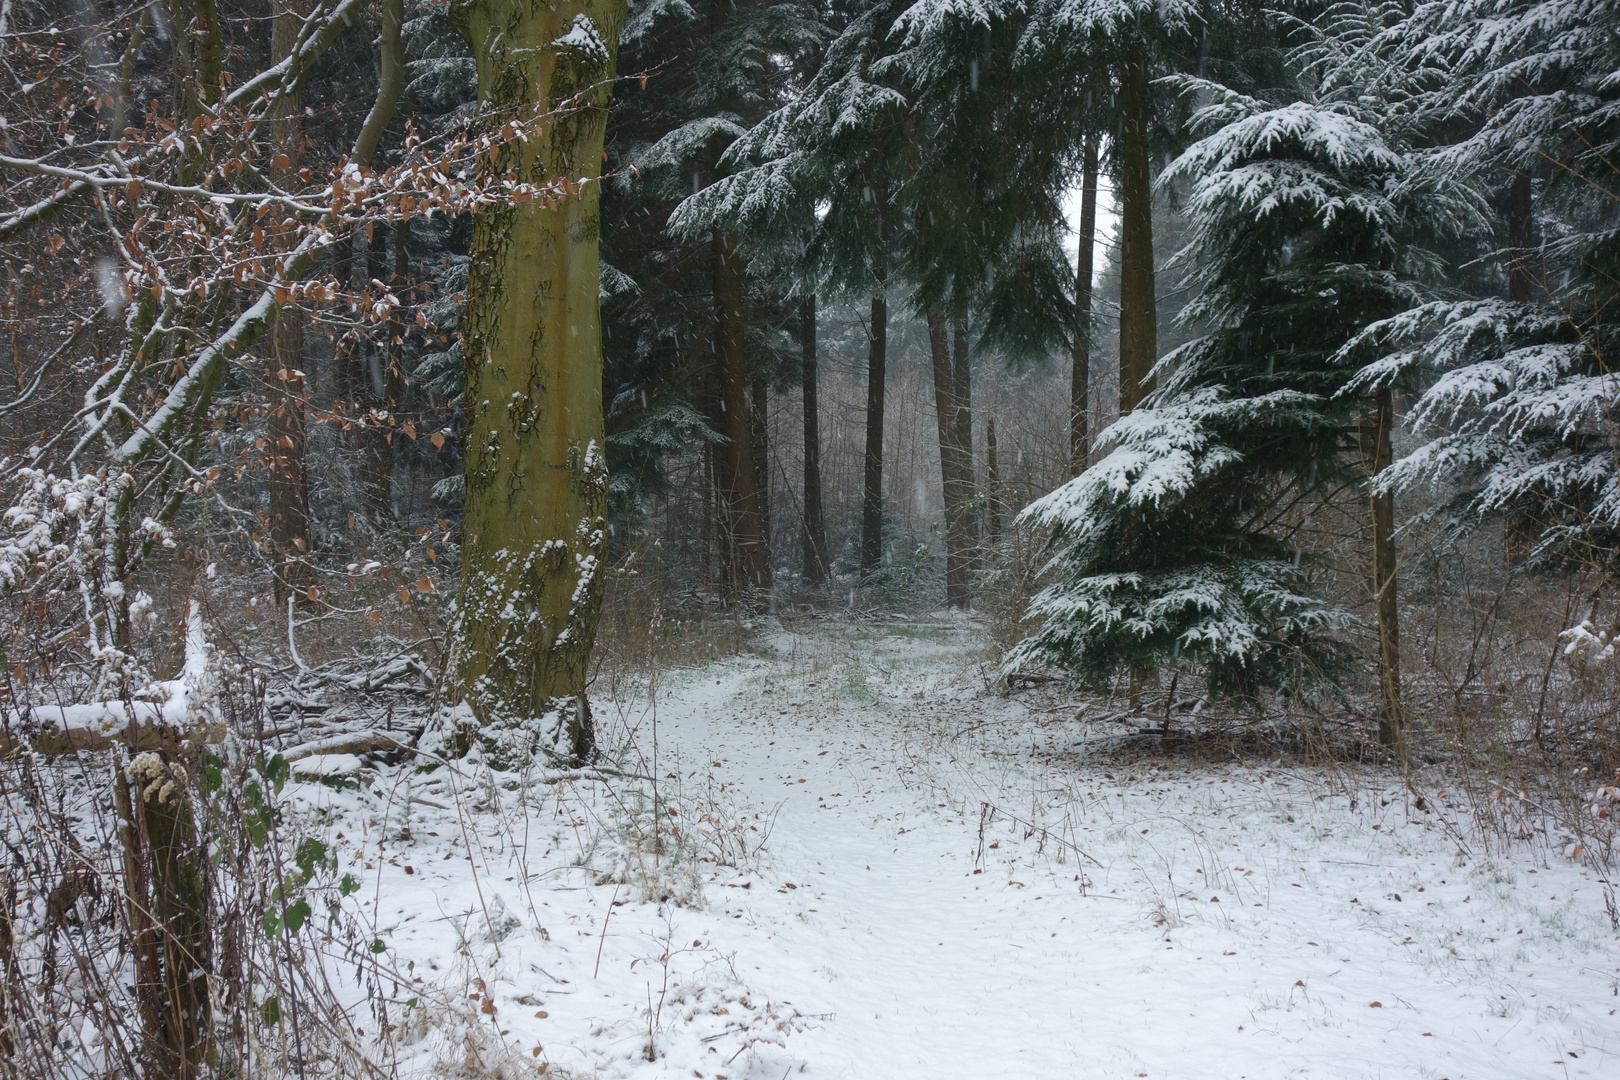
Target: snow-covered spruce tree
(1180, 547)
(534, 522)
(1521, 404)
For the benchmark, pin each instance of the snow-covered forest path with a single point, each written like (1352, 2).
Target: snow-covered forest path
(953, 886)
(1242, 923)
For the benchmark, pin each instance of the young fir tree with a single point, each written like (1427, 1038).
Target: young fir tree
(1180, 547)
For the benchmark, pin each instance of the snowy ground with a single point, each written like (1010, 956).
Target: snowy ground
(930, 880)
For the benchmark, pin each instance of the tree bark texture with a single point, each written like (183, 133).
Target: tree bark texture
(378, 381)
(759, 433)
(992, 484)
(813, 541)
(168, 904)
(535, 519)
(953, 469)
(1385, 581)
(872, 471)
(1138, 330)
(286, 387)
(969, 521)
(877, 358)
(741, 520)
(1080, 374)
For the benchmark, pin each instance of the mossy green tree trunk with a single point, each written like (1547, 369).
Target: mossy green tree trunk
(535, 521)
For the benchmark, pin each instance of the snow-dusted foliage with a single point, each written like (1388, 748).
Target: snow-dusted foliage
(1151, 568)
(1181, 547)
(1520, 402)
(62, 542)
(1521, 418)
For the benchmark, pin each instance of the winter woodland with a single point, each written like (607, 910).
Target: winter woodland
(854, 538)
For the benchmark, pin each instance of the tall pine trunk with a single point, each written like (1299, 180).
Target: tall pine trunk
(963, 380)
(288, 436)
(534, 528)
(1138, 332)
(1138, 328)
(872, 473)
(735, 476)
(1080, 374)
(956, 491)
(876, 361)
(813, 540)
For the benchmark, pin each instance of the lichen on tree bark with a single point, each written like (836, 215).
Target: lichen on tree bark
(534, 525)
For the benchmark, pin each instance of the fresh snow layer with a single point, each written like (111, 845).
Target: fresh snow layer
(952, 883)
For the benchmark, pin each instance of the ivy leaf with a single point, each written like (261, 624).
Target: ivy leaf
(295, 914)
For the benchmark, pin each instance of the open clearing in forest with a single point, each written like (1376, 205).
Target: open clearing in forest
(954, 883)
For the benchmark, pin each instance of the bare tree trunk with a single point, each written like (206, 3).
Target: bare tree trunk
(1138, 331)
(759, 432)
(876, 361)
(734, 461)
(872, 473)
(1385, 581)
(167, 904)
(1519, 530)
(963, 382)
(1080, 376)
(951, 471)
(814, 539)
(288, 437)
(992, 483)
(1138, 327)
(198, 55)
(535, 521)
